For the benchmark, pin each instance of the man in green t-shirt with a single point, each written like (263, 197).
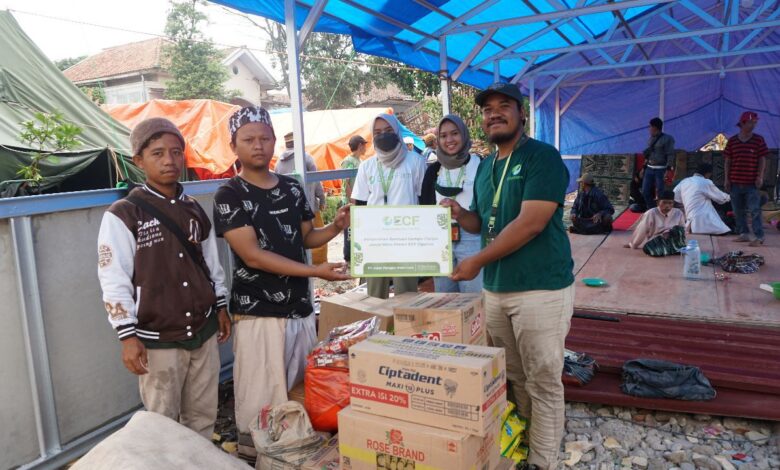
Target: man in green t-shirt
(528, 283)
(357, 145)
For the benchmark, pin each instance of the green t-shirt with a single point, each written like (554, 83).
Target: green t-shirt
(350, 162)
(536, 173)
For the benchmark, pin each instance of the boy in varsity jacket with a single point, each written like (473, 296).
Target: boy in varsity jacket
(163, 286)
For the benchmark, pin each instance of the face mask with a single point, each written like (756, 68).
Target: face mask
(447, 191)
(386, 141)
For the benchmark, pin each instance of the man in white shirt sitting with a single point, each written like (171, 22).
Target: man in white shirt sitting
(697, 194)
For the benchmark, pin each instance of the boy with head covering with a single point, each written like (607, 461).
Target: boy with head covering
(452, 177)
(165, 295)
(661, 230)
(745, 158)
(267, 221)
(392, 177)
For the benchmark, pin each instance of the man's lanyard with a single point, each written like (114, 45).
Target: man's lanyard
(385, 183)
(497, 191)
(459, 181)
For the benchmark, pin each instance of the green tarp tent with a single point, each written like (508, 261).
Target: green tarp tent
(30, 83)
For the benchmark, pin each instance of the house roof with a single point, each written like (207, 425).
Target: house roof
(245, 56)
(119, 60)
(391, 92)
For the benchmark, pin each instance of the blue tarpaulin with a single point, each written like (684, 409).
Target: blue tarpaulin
(607, 94)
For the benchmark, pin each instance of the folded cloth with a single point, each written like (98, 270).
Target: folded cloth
(738, 262)
(666, 244)
(651, 378)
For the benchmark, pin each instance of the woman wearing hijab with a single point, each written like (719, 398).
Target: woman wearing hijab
(392, 177)
(452, 176)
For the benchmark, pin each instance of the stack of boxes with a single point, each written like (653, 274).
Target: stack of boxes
(430, 397)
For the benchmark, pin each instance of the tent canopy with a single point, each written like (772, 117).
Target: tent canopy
(600, 69)
(30, 83)
(204, 125)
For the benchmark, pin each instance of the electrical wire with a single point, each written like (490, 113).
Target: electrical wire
(253, 49)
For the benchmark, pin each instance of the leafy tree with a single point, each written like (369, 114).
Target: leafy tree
(194, 61)
(94, 93)
(47, 134)
(64, 64)
(418, 84)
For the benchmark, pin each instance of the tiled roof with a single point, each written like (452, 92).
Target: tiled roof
(120, 60)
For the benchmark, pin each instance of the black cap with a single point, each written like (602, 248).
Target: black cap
(508, 89)
(666, 195)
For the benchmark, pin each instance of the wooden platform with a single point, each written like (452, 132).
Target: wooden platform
(642, 285)
(741, 362)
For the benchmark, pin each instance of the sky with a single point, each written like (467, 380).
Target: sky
(74, 28)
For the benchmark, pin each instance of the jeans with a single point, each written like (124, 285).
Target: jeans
(745, 198)
(468, 246)
(652, 184)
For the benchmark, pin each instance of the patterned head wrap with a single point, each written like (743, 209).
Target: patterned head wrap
(248, 115)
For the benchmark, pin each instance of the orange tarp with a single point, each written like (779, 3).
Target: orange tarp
(204, 125)
(202, 122)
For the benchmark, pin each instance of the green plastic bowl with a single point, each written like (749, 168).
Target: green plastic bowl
(705, 257)
(776, 289)
(596, 282)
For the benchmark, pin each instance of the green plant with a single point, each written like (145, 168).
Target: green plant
(193, 59)
(332, 204)
(95, 93)
(47, 134)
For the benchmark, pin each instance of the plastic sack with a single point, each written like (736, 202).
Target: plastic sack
(326, 379)
(512, 430)
(283, 437)
(578, 368)
(650, 378)
(326, 392)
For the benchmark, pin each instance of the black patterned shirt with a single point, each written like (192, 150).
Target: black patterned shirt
(276, 215)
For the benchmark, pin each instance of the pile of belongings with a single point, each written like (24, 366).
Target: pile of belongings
(326, 380)
(513, 435)
(578, 368)
(283, 437)
(652, 378)
(739, 262)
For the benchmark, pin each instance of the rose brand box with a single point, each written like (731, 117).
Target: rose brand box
(327, 458)
(368, 442)
(450, 386)
(349, 307)
(452, 318)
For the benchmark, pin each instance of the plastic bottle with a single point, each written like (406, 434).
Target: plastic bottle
(692, 260)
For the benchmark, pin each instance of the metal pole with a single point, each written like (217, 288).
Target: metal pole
(532, 108)
(557, 117)
(295, 89)
(444, 76)
(35, 337)
(662, 100)
(496, 71)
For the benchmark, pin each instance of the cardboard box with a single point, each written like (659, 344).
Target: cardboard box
(368, 442)
(327, 458)
(450, 386)
(451, 318)
(349, 307)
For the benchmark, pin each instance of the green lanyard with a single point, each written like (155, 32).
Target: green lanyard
(385, 183)
(459, 181)
(497, 191)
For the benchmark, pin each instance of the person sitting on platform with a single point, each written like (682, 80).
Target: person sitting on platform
(661, 230)
(697, 194)
(592, 212)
